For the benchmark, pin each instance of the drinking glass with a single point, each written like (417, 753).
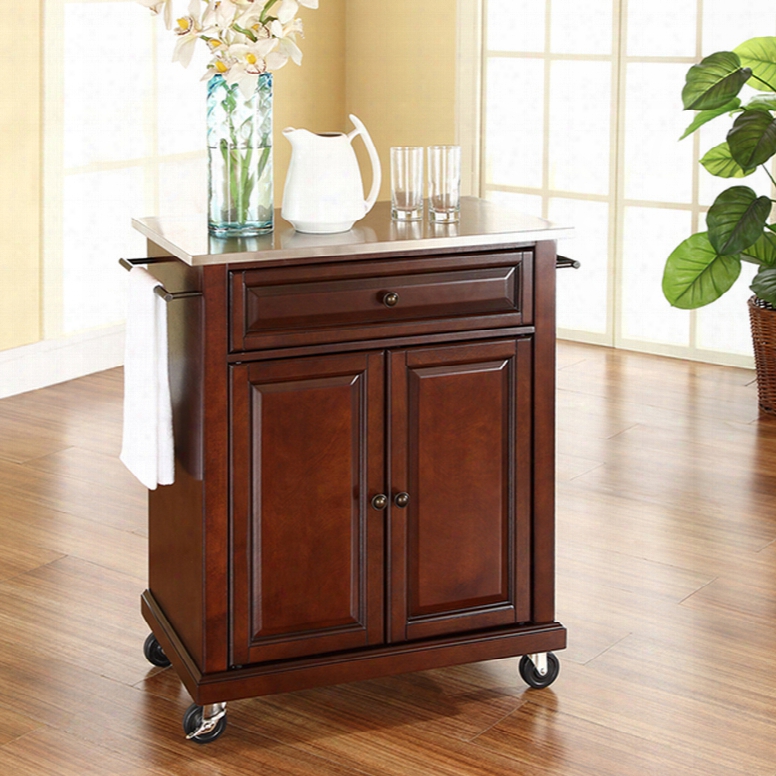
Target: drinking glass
(407, 183)
(444, 183)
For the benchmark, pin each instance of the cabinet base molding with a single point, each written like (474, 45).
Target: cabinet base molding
(355, 665)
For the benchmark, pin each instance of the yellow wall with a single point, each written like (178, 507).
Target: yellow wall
(20, 176)
(392, 64)
(401, 73)
(313, 95)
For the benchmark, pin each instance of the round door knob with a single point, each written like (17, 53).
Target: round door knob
(401, 500)
(379, 502)
(391, 299)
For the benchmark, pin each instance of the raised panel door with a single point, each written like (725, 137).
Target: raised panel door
(460, 437)
(307, 548)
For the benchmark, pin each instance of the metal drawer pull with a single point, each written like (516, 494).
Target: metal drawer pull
(380, 502)
(391, 299)
(401, 500)
(160, 290)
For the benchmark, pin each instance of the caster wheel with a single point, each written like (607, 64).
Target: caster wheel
(154, 653)
(192, 720)
(533, 678)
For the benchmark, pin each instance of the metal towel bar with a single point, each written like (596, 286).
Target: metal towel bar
(160, 290)
(564, 262)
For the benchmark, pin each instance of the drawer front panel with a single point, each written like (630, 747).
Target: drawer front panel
(319, 309)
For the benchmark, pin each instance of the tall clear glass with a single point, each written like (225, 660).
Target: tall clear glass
(239, 140)
(407, 183)
(444, 183)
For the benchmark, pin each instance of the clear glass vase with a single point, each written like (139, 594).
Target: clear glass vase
(239, 140)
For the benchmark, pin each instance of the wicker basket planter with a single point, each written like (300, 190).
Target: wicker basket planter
(762, 317)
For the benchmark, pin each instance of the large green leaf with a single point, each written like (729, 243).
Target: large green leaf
(736, 220)
(719, 161)
(764, 285)
(763, 252)
(714, 82)
(752, 140)
(695, 274)
(704, 116)
(761, 102)
(759, 55)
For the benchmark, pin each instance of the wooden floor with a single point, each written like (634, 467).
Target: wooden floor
(666, 576)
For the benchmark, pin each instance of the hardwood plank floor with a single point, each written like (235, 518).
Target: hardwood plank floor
(666, 580)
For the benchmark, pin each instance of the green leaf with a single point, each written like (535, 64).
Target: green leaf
(752, 140)
(719, 161)
(759, 55)
(695, 275)
(714, 82)
(761, 102)
(736, 220)
(764, 285)
(704, 116)
(763, 252)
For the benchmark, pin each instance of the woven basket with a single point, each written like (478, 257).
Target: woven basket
(762, 317)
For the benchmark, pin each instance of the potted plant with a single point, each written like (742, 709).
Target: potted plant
(739, 223)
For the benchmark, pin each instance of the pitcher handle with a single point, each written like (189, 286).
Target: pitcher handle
(373, 158)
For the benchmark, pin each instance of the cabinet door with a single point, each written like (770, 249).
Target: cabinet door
(460, 448)
(307, 548)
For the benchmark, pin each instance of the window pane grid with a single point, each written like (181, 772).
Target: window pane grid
(655, 190)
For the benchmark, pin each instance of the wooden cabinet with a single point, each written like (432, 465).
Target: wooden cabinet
(307, 549)
(364, 464)
(459, 438)
(314, 551)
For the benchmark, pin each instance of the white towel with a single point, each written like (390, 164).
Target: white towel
(147, 448)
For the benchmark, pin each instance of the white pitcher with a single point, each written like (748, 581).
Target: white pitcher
(324, 192)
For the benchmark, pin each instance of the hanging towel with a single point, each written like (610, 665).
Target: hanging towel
(147, 448)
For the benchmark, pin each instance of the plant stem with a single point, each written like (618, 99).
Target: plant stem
(757, 78)
(263, 17)
(245, 188)
(767, 172)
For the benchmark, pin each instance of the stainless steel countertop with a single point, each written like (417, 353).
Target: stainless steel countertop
(483, 224)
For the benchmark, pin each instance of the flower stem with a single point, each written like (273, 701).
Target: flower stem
(263, 17)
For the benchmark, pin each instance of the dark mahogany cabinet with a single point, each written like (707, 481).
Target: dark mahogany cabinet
(308, 550)
(364, 461)
(459, 438)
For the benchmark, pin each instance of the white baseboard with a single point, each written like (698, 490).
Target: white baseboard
(54, 361)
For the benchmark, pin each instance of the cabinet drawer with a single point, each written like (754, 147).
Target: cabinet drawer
(274, 310)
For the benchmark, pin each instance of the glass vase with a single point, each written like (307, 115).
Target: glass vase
(239, 140)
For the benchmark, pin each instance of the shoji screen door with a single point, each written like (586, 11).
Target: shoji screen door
(581, 121)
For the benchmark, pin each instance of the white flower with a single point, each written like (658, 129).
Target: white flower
(247, 37)
(217, 66)
(286, 11)
(248, 63)
(291, 50)
(220, 13)
(276, 60)
(226, 11)
(160, 5)
(189, 30)
(250, 19)
(286, 34)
